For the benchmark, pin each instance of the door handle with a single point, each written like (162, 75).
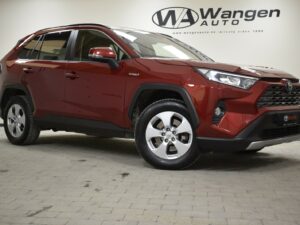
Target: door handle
(72, 75)
(27, 70)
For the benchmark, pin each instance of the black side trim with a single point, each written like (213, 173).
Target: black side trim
(91, 127)
(71, 45)
(156, 86)
(222, 144)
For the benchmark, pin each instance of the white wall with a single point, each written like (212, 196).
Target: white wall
(278, 46)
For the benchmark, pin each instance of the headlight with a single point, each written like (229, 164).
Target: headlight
(235, 80)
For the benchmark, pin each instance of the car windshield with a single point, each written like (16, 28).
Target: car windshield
(157, 45)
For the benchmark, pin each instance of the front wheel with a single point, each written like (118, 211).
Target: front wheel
(164, 135)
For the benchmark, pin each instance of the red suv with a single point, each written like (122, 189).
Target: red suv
(171, 98)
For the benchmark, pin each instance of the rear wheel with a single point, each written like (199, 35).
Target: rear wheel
(165, 137)
(19, 125)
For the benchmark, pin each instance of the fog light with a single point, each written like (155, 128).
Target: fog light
(219, 112)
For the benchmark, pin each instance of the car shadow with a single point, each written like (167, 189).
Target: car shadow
(126, 152)
(115, 146)
(243, 162)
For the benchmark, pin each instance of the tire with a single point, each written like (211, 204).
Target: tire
(164, 149)
(19, 125)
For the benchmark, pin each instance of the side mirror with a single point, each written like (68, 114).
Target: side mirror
(105, 55)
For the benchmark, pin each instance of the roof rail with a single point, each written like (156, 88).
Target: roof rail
(74, 25)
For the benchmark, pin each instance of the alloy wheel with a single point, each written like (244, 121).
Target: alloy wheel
(16, 120)
(169, 135)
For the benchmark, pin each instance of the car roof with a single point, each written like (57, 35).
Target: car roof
(73, 26)
(78, 25)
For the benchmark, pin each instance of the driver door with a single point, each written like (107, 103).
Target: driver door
(94, 91)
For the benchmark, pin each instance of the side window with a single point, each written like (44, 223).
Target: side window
(88, 39)
(35, 52)
(30, 50)
(54, 46)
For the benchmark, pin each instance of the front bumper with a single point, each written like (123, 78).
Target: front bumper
(260, 144)
(271, 128)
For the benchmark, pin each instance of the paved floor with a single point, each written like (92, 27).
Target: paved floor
(78, 180)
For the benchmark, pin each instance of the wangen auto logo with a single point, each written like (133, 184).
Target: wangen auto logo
(182, 17)
(175, 17)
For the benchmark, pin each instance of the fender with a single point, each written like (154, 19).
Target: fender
(19, 87)
(157, 86)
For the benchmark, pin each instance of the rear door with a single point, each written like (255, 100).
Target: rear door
(44, 73)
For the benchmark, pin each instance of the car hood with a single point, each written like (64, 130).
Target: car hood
(254, 71)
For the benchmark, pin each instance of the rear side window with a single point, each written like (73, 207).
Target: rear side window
(30, 50)
(54, 46)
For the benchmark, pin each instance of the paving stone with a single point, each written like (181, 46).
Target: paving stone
(72, 179)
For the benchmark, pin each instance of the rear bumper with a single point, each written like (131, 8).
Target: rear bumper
(269, 129)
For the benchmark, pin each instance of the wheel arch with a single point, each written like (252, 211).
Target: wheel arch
(167, 88)
(14, 90)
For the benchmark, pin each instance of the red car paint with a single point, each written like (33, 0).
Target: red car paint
(94, 91)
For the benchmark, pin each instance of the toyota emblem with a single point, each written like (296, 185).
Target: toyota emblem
(288, 85)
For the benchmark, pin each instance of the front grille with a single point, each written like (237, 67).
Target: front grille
(277, 95)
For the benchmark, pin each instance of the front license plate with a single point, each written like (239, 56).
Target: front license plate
(289, 119)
